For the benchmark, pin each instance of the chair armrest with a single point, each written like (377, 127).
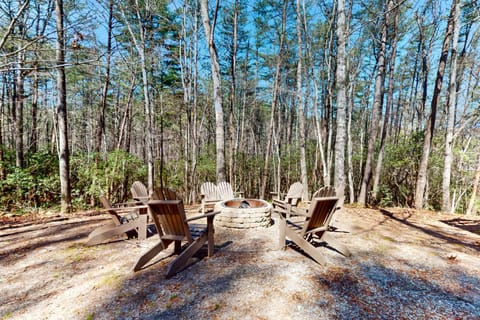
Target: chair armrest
(141, 199)
(206, 215)
(279, 203)
(123, 209)
(277, 194)
(296, 211)
(323, 228)
(126, 204)
(283, 211)
(204, 200)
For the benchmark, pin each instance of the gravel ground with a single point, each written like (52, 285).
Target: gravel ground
(404, 265)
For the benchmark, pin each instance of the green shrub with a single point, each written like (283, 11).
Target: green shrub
(38, 184)
(111, 175)
(35, 186)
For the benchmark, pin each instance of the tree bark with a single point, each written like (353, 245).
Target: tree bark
(274, 103)
(451, 107)
(376, 113)
(3, 172)
(19, 96)
(217, 92)
(231, 124)
(33, 134)
(384, 131)
(140, 46)
(300, 102)
(106, 83)
(63, 150)
(473, 197)
(421, 183)
(341, 83)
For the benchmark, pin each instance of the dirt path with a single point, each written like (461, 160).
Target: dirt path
(404, 265)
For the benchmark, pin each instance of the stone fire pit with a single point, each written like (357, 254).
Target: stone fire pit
(243, 213)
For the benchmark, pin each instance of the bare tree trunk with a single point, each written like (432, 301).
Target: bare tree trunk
(341, 82)
(233, 67)
(106, 83)
(63, 151)
(40, 26)
(376, 114)
(124, 131)
(274, 103)
(140, 46)
(188, 65)
(19, 96)
(384, 133)
(476, 181)
(300, 102)
(34, 130)
(421, 184)
(217, 90)
(3, 172)
(329, 88)
(451, 107)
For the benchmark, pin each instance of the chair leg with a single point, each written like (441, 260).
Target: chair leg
(281, 237)
(210, 236)
(150, 254)
(101, 229)
(306, 246)
(107, 232)
(333, 243)
(142, 226)
(177, 247)
(180, 262)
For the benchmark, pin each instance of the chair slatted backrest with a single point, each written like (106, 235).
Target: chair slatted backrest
(294, 193)
(320, 212)
(225, 191)
(139, 191)
(210, 191)
(169, 216)
(327, 191)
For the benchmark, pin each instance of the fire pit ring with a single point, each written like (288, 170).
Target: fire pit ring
(243, 213)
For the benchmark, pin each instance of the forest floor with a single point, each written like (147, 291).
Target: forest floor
(405, 264)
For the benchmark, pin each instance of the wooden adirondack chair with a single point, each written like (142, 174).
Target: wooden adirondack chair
(291, 199)
(323, 192)
(311, 232)
(209, 196)
(126, 219)
(173, 227)
(225, 191)
(139, 191)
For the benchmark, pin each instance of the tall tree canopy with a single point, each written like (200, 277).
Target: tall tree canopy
(379, 99)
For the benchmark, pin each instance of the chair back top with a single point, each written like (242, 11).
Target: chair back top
(294, 193)
(320, 212)
(139, 191)
(326, 191)
(169, 217)
(164, 194)
(225, 191)
(210, 191)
